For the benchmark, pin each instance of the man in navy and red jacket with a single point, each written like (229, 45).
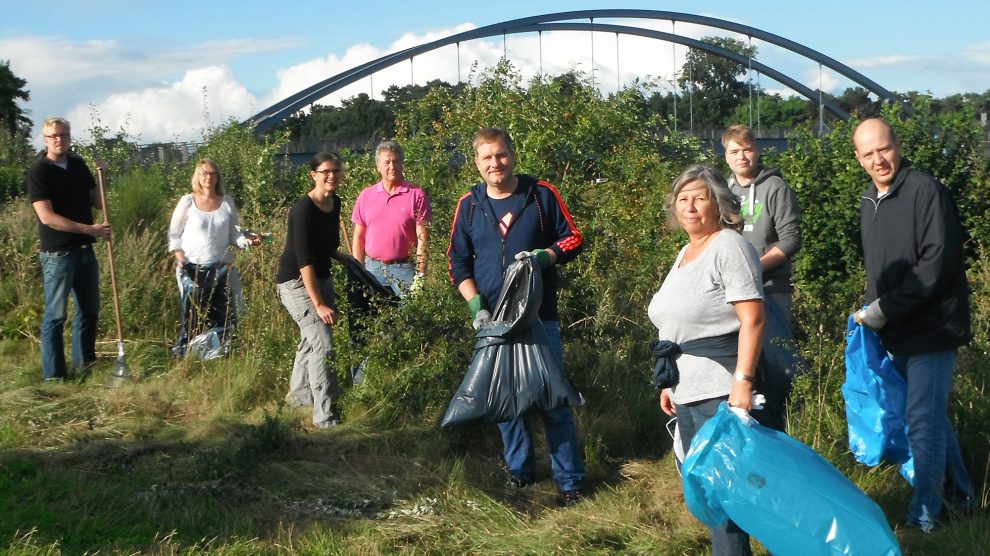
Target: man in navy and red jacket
(510, 216)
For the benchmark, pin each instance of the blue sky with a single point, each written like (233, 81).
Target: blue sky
(167, 70)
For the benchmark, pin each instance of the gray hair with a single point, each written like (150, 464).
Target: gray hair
(729, 206)
(389, 146)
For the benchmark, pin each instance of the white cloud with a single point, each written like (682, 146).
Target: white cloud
(174, 112)
(978, 53)
(562, 51)
(825, 80)
(438, 64)
(887, 62)
(132, 76)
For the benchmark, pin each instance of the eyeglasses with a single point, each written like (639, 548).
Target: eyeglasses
(58, 136)
(328, 172)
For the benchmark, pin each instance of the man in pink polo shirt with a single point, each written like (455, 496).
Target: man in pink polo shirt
(391, 225)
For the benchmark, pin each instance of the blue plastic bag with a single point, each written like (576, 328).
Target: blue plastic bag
(779, 491)
(875, 401)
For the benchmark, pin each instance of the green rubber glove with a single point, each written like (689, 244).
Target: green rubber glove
(542, 257)
(476, 304)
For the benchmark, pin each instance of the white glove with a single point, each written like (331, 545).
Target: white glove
(483, 318)
(758, 400)
(417, 283)
(872, 317)
(523, 254)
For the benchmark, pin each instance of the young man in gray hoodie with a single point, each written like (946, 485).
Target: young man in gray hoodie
(773, 225)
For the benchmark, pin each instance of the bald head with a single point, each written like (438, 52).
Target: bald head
(878, 151)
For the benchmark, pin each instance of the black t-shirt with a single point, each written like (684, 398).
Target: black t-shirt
(508, 208)
(313, 236)
(68, 189)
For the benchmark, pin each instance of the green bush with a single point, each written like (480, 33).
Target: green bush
(143, 198)
(11, 182)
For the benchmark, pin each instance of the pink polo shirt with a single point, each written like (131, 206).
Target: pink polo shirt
(390, 220)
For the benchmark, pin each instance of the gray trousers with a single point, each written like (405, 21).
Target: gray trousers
(314, 373)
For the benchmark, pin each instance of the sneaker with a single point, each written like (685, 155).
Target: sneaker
(328, 424)
(917, 524)
(357, 371)
(572, 497)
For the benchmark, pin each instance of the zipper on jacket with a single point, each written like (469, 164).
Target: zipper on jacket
(876, 205)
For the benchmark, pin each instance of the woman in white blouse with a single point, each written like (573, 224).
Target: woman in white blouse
(203, 227)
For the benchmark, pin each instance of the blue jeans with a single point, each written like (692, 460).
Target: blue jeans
(938, 466)
(727, 539)
(779, 361)
(398, 276)
(566, 458)
(77, 272)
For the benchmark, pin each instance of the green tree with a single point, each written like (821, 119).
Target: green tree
(12, 117)
(717, 90)
(15, 127)
(359, 117)
(774, 111)
(857, 101)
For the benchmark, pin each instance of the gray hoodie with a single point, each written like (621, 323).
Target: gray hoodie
(773, 218)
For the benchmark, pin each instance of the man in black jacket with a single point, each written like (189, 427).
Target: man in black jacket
(918, 301)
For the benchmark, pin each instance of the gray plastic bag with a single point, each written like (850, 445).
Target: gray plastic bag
(208, 345)
(513, 369)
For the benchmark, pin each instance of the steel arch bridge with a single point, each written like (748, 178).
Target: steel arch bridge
(565, 21)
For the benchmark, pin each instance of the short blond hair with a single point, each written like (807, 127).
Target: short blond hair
(743, 135)
(56, 121)
(490, 135)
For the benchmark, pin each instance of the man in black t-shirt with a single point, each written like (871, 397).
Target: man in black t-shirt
(63, 192)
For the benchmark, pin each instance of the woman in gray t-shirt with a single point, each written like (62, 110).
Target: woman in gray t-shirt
(713, 289)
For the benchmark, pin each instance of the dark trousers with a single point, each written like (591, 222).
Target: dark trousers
(205, 301)
(727, 539)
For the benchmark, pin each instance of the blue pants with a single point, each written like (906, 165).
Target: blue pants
(566, 458)
(398, 276)
(779, 361)
(938, 466)
(727, 539)
(73, 271)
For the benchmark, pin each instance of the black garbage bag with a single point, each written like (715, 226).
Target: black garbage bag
(364, 284)
(513, 369)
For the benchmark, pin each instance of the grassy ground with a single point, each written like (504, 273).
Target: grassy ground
(164, 464)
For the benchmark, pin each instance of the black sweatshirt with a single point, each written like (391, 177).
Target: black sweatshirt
(912, 249)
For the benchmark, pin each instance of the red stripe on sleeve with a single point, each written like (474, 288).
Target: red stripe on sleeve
(575, 239)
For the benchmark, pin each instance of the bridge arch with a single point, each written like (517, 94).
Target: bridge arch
(563, 21)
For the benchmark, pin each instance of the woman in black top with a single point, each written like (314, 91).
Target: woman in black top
(305, 288)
